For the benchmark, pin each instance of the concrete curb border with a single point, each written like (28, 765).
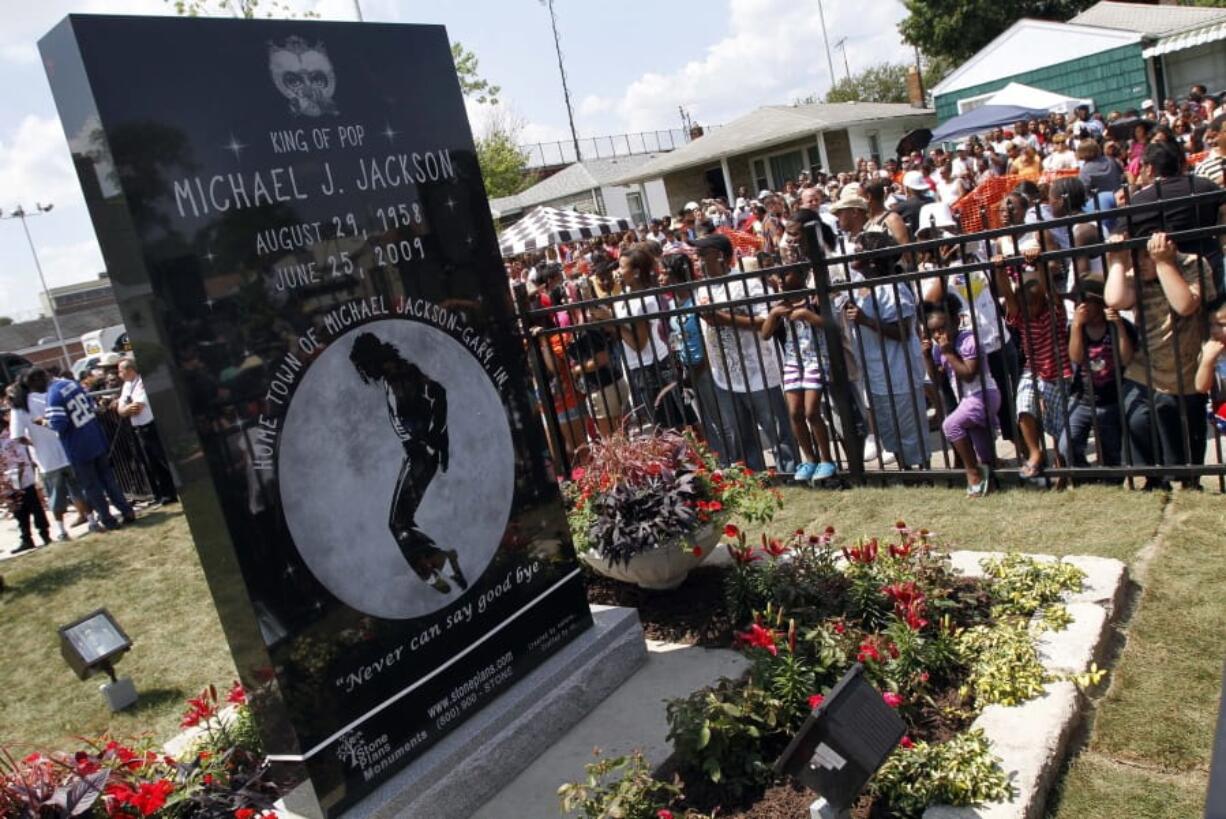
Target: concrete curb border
(1032, 739)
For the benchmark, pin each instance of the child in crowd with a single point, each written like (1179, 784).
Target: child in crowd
(1211, 372)
(795, 325)
(893, 361)
(1096, 335)
(969, 428)
(18, 490)
(1037, 315)
(1173, 288)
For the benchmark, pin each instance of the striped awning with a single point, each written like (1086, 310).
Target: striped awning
(1188, 38)
(545, 227)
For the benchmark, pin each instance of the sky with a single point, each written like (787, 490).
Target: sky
(629, 66)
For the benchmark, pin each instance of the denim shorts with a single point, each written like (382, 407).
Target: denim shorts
(61, 487)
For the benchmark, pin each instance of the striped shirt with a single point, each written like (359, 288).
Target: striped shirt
(1214, 168)
(1039, 342)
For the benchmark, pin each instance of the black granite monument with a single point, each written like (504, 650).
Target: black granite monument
(295, 225)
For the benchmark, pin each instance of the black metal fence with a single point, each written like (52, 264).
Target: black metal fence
(1119, 406)
(127, 458)
(562, 152)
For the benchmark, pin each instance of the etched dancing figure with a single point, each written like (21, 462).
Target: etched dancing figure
(417, 409)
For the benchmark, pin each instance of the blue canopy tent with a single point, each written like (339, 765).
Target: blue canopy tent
(984, 118)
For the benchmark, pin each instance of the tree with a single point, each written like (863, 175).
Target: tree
(884, 82)
(957, 29)
(236, 8)
(470, 81)
(503, 163)
(5, 321)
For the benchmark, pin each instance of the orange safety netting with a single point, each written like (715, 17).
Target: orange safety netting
(745, 244)
(987, 197)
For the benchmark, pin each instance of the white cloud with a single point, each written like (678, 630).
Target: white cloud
(35, 165)
(68, 263)
(594, 104)
(773, 49)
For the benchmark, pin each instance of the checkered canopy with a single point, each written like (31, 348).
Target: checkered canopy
(544, 227)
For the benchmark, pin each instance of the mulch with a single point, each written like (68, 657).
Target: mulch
(691, 614)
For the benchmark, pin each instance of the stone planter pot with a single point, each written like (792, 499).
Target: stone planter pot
(664, 567)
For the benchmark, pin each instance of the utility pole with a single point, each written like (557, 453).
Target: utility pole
(557, 45)
(842, 45)
(20, 213)
(357, 6)
(919, 74)
(821, 13)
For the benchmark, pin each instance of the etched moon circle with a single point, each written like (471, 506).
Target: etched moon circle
(339, 458)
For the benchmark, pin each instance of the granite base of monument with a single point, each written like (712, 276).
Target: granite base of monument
(475, 761)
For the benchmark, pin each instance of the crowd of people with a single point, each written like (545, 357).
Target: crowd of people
(52, 439)
(985, 340)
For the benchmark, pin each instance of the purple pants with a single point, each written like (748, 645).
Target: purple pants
(971, 418)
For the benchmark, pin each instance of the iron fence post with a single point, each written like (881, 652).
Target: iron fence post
(853, 445)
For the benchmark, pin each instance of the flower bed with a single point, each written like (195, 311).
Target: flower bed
(939, 645)
(221, 773)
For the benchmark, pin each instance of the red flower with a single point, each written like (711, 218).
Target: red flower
(891, 699)
(33, 759)
(903, 593)
(147, 799)
(715, 506)
(717, 477)
(577, 473)
(244, 813)
(731, 532)
(775, 547)
(864, 553)
(914, 616)
(743, 555)
(85, 764)
(237, 694)
(906, 742)
(815, 700)
(867, 652)
(839, 627)
(759, 637)
(900, 526)
(893, 649)
(923, 676)
(664, 813)
(207, 779)
(200, 709)
(696, 551)
(902, 550)
(654, 469)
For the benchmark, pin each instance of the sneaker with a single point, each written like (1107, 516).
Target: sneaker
(825, 470)
(114, 526)
(62, 537)
(984, 486)
(130, 517)
(804, 473)
(45, 537)
(96, 527)
(870, 449)
(26, 545)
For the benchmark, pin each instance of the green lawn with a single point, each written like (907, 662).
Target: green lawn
(1146, 756)
(149, 578)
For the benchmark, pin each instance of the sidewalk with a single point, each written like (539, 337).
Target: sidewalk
(10, 537)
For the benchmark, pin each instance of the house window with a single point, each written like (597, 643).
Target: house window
(971, 103)
(634, 202)
(874, 145)
(784, 167)
(815, 160)
(760, 180)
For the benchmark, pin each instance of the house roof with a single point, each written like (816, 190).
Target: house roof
(1152, 21)
(768, 126)
(573, 179)
(21, 335)
(1030, 44)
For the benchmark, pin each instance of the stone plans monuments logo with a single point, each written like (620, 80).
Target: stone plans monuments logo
(374, 757)
(304, 76)
(396, 468)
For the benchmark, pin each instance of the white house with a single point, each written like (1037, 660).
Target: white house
(588, 186)
(766, 147)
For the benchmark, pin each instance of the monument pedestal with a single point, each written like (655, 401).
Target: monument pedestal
(478, 758)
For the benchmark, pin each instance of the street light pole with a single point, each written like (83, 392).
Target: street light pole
(557, 45)
(20, 213)
(821, 13)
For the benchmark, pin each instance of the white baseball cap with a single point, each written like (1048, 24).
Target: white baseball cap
(690, 206)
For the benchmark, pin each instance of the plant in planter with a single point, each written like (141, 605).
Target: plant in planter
(648, 506)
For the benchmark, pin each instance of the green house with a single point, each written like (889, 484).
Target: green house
(1116, 54)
